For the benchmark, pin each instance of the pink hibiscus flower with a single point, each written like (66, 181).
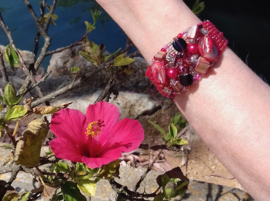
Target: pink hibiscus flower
(96, 138)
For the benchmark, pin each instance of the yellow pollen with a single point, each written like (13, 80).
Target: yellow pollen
(93, 129)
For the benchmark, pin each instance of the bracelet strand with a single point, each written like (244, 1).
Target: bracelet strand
(183, 61)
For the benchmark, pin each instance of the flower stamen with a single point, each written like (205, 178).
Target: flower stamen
(94, 128)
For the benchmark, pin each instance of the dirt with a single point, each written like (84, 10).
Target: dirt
(202, 165)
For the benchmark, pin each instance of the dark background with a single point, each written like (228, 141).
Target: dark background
(246, 24)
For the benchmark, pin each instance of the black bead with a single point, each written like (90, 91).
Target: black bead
(179, 44)
(186, 79)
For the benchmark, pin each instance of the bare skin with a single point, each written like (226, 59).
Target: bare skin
(229, 108)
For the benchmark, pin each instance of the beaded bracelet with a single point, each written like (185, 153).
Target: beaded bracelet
(183, 61)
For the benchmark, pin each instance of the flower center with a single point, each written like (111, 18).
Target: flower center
(94, 128)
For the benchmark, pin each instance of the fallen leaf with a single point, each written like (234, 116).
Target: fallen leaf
(27, 151)
(49, 109)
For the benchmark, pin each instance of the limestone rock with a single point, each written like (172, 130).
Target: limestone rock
(130, 104)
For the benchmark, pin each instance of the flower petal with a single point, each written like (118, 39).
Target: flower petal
(65, 149)
(127, 134)
(106, 112)
(105, 159)
(69, 124)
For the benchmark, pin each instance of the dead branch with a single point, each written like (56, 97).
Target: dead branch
(147, 171)
(25, 69)
(3, 69)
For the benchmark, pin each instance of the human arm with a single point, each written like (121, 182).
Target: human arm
(229, 107)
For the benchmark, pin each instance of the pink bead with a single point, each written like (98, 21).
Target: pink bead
(172, 72)
(159, 72)
(192, 48)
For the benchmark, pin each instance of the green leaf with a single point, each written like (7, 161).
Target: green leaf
(93, 52)
(159, 197)
(110, 170)
(173, 131)
(180, 142)
(107, 57)
(121, 61)
(10, 98)
(95, 15)
(71, 192)
(176, 118)
(158, 127)
(54, 16)
(179, 121)
(198, 7)
(58, 198)
(11, 56)
(62, 167)
(48, 15)
(89, 27)
(75, 69)
(88, 186)
(165, 179)
(15, 113)
(79, 167)
(25, 197)
(11, 196)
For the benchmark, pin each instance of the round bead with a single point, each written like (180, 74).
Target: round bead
(179, 44)
(192, 48)
(172, 72)
(186, 79)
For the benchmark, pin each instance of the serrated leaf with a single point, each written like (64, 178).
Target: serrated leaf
(71, 192)
(62, 167)
(95, 15)
(88, 186)
(121, 61)
(107, 57)
(158, 127)
(172, 131)
(15, 113)
(27, 151)
(11, 56)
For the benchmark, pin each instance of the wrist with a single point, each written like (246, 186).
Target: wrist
(150, 26)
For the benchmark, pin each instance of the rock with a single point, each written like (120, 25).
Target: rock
(61, 63)
(16, 75)
(130, 104)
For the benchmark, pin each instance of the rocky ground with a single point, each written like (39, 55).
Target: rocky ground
(209, 178)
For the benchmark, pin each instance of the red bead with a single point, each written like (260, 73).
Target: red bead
(180, 35)
(163, 50)
(192, 48)
(172, 72)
